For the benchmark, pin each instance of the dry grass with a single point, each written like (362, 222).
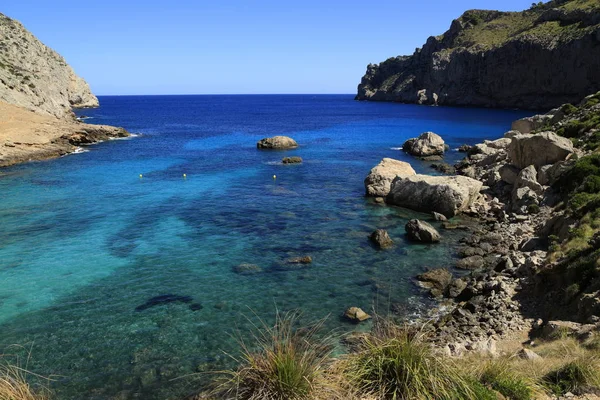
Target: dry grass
(14, 383)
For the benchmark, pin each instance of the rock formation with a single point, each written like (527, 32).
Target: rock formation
(427, 144)
(35, 77)
(535, 59)
(277, 142)
(381, 239)
(379, 180)
(421, 231)
(447, 195)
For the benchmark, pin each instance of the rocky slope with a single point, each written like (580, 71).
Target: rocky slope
(35, 77)
(535, 59)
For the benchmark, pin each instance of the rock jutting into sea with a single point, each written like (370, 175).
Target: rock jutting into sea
(277, 142)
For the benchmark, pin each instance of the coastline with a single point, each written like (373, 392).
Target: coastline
(28, 136)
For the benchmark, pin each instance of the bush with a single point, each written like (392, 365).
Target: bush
(288, 364)
(569, 109)
(578, 376)
(395, 363)
(499, 377)
(533, 209)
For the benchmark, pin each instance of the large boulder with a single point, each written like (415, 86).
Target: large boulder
(539, 149)
(447, 195)
(529, 124)
(436, 280)
(427, 144)
(277, 142)
(379, 180)
(421, 231)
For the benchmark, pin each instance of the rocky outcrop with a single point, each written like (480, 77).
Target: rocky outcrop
(292, 160)
(381, 239)
(427, 144)
(277, 142)
(380, 178)
(421, 231)
(437, 281)
(447, 195)
(529, 60)
(37, 78)
(539, 149)
(356, 314)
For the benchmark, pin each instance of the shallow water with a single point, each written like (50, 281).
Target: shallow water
(84, 240)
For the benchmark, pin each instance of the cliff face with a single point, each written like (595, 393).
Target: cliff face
(535, 59)
(35, 77)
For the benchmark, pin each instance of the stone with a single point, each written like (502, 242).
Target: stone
(292, 160)
(456, 287)
(247, 269)
(380, 178)
(436, 280)
(439, 217)
(559, 329)
(277, 142)
(471, 263)
(527, 354)
(381, 239)
(421, 231)
(447, 195)
(539, 149)
(528, 178)
(427, 144)
(529, 124)
(356, 314)
(299, 260)
(444, 168)
(509, 173)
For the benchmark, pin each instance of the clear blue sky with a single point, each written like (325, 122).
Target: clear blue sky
(227, 46)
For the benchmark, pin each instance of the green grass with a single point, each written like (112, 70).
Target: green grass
(395, 363)
(14, 381)
(578, 376)
(283, 363)
(499, 376)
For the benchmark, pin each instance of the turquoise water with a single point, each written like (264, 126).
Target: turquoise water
(84, 240)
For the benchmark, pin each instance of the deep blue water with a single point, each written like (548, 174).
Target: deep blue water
(84, 240)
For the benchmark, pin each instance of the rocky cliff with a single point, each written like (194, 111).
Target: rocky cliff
(535, 59)
(36, 77)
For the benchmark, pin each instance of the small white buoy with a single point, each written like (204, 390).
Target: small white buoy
(184, 176)
(274, 176)
(140, 175)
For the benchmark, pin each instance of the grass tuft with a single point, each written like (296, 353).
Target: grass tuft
(396, 363)
(578, 376)
(14, 383)
(284, 363)
(500, 376)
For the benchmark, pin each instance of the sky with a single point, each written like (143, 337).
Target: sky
(126, 47)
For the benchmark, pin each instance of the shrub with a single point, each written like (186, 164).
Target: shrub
(499, 376)
(533, 209)
(569, 109)
(578, 376)
(395, 363)
(288, 364)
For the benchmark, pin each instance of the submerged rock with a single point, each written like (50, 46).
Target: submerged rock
(427, 144)
(421, 231)
(447, 195)
(436, 280)
(247, 269)
(277, 142)
(163, 299)
(356, 314)
(381, 239)
(380, 178)
(299, 260)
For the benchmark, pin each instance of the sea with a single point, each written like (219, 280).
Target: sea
(118, 264)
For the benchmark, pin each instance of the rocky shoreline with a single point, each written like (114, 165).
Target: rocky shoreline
(519, 206)
(27, 136)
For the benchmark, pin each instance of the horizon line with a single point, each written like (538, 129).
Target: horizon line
(231, 94)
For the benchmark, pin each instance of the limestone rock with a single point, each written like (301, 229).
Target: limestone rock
(381, 239)
(447, 195)
(529, 124)
(291, 160)
(421, 231)
(509, 173)
(436, 280)
(277, 142)
(471, 263)
(299, 260)
(539, 149)
(527, 354)
(379, 180)
(356, 314)
(439, 217)
(37, 78)
(427, 144)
